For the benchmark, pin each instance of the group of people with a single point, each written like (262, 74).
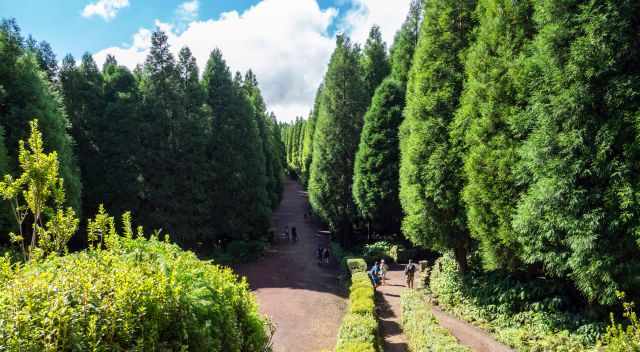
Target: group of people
(323, 255)
(291, 236)
(379, 270)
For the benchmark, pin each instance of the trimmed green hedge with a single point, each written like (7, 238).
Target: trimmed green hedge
(359, 328)
(356, 265)
(421, 326)
(140, 295)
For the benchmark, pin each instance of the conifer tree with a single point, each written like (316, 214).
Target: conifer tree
(27, 93)
(375, 61)
(404, 44)
(238, 182)
(486, 128)
(337, 133)
(579, 215)
(375, 180)
(309, 130)
(430, 174)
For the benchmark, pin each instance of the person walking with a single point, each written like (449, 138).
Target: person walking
(294, 234)
(409, 272)
(384, 268)
(374, 275)
(326, 255)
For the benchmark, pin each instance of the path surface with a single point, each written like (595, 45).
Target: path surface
(391, 310)
(475, 338)
(304, 300)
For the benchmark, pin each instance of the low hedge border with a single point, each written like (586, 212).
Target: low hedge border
(359, 329)
(421, 327)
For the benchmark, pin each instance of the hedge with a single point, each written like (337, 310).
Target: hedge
(359, 328)
(421, 327)
(142, 295)
(356, 265)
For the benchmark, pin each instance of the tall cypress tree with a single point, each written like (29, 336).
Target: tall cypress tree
(486, 127)
(580, 214)
(26, 94)
(238, 182)
(404, 44)
(307, 144)
(430, 174)
(337, 133)
(375, 61)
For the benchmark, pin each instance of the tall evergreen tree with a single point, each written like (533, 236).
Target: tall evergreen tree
(405, 42)
(375, 61)
(237, 181)
(486, 130)
(430, 174)
(375, 181)
(307, 144)
(337, 133)
(26, 93)
(580, 214)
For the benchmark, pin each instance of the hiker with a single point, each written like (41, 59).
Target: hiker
(286, 231)
(326, 255)
(384, 268)
(374, 275)
(319, 253)
(294, 234)
(409, 272)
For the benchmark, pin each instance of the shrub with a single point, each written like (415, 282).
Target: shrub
(359, 328)
(143, 295)
(378, 250)
(245, 251)
(529, 315)
(421, 327)
(619, 338)
(356, 265)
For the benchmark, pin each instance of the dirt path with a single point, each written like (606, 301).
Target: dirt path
(390, 311)
(303, 299)
(475, 338)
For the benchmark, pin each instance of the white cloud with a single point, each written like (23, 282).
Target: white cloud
(363, 14)
(107, 9)
(286, 43)
(188, 11)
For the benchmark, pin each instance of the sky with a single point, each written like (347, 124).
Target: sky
(287, 43)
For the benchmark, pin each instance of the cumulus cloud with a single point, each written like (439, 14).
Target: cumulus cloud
(286, 43)
(188, 11)
(363, 14)
(107, 9)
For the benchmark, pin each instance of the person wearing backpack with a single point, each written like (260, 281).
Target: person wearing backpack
(409, 272)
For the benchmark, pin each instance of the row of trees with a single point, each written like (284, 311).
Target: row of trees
(200, 158)
(505, 131)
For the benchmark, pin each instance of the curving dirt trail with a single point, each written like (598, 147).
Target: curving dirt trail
(304, 300)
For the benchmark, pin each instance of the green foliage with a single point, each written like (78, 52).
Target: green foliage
(374, 61)
(37, 197)
(421, 327)
(404, 44)
(359, 328)
(430, 168)
(375, 176)
(245, 251)
(533, 315)
(356, 265)
(26, 93)
(373, 252)
(623, 339)
(337, 131)
(136, 294)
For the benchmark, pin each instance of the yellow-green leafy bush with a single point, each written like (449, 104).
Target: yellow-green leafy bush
(356, 265)
(421, 326)
(359, 328)
(138, 295)
(620, 338)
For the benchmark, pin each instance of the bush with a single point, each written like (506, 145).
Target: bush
(529, 316)
(421, 326)
(356, 265)
(378, 250)
(619, 338)
(359, 328)
(143, 295)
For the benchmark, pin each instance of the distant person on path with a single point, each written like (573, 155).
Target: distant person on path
(286, 231)
(294, 234)
(326, 255)
(319, 253)
(374, 275)
(384, 268)
(409, 272)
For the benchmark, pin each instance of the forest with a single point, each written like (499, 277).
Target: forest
(500, 138)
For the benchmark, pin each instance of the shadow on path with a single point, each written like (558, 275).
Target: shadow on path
(389, 311)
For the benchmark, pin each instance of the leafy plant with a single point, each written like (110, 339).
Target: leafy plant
(623, 339)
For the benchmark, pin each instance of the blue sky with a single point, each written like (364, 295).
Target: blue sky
(286, 42)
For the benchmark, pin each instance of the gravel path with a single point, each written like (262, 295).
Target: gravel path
(304, 300)
(390, 311)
